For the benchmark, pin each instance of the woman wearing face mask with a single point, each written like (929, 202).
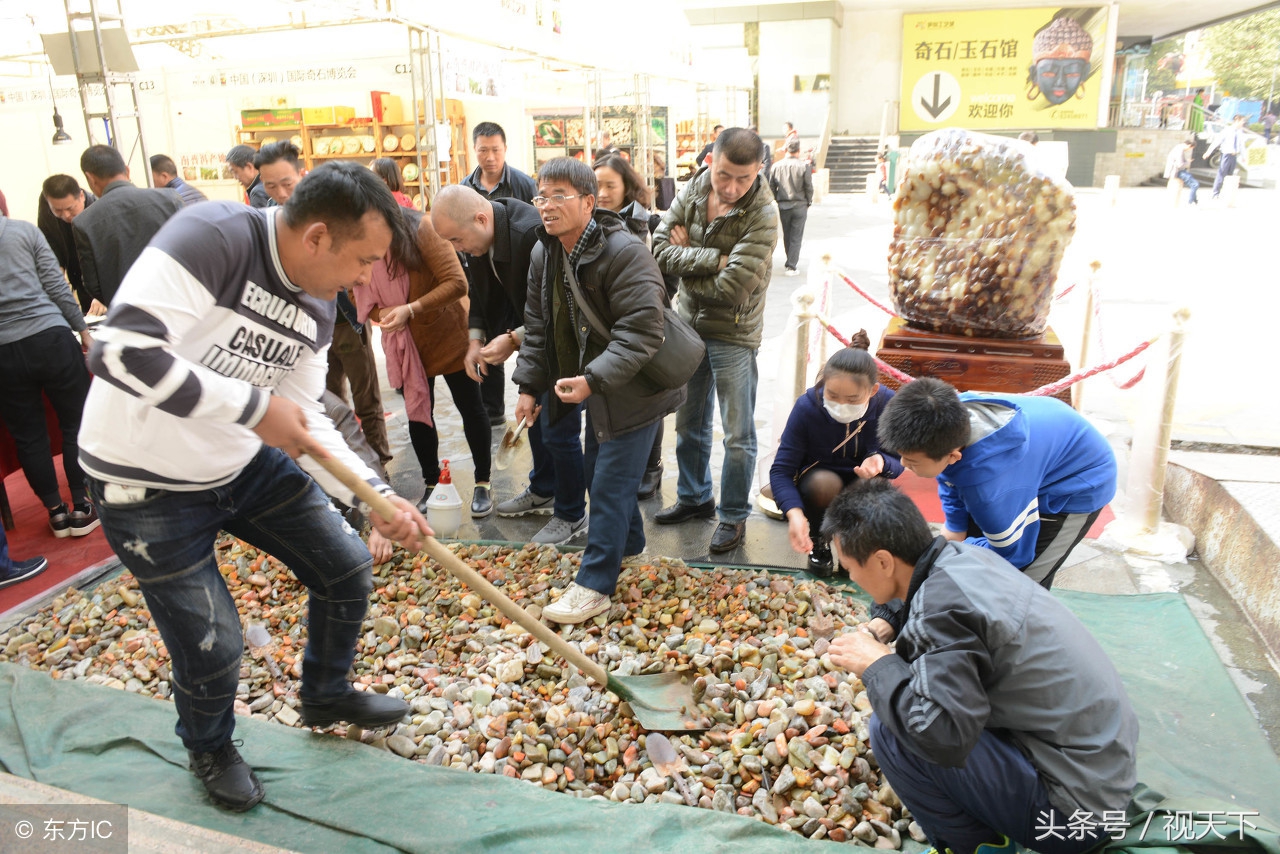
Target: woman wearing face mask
(622, 191)
(829, 440)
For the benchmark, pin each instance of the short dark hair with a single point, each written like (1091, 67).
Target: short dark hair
(717, 127)
(241, 155)
(163, 163)
(488, 129)
(789, 126)
(339, 193)
(870, 515)
(388, 170)
(59, 187)
(1029, 136)
(740, 146)
(793, 147)
(571, 171)
(853, 361)
(636, 189)
(274, 152)
(102, 161)
(926, 417)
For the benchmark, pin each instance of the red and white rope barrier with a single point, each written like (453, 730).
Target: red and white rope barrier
(866, 296)
(1067, 382)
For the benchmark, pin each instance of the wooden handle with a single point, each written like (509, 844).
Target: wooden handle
(477, 582)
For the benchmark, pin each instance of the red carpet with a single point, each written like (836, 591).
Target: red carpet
(925, 495)
(32, 536)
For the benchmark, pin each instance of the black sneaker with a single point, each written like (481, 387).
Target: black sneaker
(227, 778)
(820, 561)
(369, 709)
(21, 570)
(84, 519)
(60, 521)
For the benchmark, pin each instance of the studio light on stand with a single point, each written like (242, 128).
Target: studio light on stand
(60, 136)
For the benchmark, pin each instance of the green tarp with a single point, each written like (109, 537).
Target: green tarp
(1199, 745)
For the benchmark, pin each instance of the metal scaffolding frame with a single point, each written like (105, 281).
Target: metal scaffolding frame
(101, 81)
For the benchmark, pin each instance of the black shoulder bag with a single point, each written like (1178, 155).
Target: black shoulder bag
(677, 357)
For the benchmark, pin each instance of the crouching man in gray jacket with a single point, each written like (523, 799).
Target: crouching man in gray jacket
(998, 719)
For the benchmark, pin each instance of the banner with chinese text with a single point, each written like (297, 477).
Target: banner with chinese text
(1011, 68)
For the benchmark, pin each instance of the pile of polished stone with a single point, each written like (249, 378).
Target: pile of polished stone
(789, 744)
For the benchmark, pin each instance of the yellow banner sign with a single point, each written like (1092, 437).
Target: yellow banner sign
(1012, 68)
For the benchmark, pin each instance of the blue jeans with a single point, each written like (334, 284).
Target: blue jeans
(1226, 169)
(996, 791)
(166, 540)
(616, 527)
(1189, 181)
(728, 374)
(557, 462)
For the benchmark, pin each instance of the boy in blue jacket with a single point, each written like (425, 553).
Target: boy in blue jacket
(830, 441)
(1023, 476)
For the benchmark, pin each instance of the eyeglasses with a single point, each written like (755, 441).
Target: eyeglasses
(551, 201)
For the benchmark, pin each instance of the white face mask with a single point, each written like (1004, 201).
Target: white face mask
(845, 413)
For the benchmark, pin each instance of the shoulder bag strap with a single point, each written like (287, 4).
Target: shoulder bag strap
(583, 306)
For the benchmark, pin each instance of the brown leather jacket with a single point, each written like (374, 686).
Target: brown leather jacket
(438, 294)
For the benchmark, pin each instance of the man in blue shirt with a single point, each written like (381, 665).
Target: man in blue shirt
(1023, 476)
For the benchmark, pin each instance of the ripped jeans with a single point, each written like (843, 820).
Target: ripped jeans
(166, 539)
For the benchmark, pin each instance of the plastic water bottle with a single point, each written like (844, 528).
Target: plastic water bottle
(444, 507)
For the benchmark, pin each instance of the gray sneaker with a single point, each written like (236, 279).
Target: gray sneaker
(559, 531)
(527, 503)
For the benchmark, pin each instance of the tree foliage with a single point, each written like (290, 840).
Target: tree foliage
(1244, 53)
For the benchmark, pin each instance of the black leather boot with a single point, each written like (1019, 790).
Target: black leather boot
(227, 778)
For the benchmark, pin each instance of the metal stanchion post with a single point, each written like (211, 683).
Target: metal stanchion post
(804, 317)
(1153, 503)
(1077, 390)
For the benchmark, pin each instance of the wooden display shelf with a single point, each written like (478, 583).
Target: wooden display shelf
(451, 172)
(1007, 365)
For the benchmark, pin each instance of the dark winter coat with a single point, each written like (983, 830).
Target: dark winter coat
(728, 304)
(810, 437)
(497, 302)
(619, 278)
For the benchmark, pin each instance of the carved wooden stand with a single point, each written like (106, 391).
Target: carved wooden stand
(1013, 366)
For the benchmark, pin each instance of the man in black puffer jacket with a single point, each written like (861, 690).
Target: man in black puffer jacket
(565, 359)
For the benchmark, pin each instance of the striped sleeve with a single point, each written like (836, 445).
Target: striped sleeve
(159, 303)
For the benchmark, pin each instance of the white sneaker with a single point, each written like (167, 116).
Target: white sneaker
(559, 531)
(789, 272)
(577, 604)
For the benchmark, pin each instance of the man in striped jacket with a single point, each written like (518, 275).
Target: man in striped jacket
(209, 370)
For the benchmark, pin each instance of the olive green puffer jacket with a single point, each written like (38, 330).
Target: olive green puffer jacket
(728, 304)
